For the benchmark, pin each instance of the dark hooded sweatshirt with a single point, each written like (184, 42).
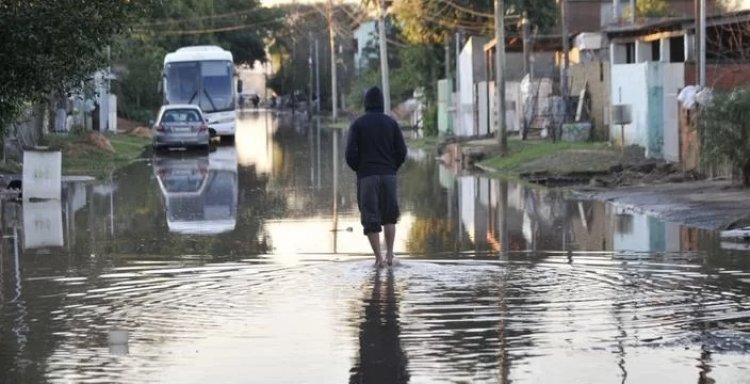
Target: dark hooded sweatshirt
(375, 145)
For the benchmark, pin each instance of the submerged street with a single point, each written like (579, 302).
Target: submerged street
(248, 265)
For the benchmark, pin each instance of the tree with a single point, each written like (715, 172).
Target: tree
(430, 21)
(240, 26)
(648, 9)
(725, 133)
(50, 46)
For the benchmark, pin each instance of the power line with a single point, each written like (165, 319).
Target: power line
(198, 18)
(230, 28)
(211, 30)
(467, 10)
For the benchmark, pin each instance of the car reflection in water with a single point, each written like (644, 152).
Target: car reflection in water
(199, 190)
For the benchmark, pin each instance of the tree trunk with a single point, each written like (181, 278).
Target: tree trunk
(746, 174)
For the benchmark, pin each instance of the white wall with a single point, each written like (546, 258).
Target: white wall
(634, 236)
(673, 81)
(466, 198)
(363, 34)
(629, 86)
(466, 91)
(483, 108)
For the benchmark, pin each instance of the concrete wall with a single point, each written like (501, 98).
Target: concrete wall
(673, 82)
(543, 65)
(629, 87)
(650, 88)
(471, 70)
(365, 33)
(596, 76)
(721, 76)
(445, 121)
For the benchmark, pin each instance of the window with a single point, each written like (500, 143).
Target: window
(656, 50)
(677, 49)
(630, 53)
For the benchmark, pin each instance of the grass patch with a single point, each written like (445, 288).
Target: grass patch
(523, 153)
(342, 122)
(81, 157)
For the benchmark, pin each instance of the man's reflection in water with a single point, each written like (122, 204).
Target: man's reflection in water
(381, 359)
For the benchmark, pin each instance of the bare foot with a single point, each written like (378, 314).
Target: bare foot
(389, 259)
(379, 263)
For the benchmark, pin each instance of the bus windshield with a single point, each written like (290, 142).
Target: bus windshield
(205, 83)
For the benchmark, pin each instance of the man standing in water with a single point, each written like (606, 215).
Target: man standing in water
(375, 149)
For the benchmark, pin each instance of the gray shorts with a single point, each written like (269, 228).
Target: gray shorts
(378, 202)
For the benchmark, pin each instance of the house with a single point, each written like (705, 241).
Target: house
(365, 36)
(653, 61)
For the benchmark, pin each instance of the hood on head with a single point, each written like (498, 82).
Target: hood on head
(374, 100)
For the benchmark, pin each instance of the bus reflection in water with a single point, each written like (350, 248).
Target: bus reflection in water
(199, 191)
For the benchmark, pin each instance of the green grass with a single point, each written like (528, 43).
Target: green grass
(340, 123)
(81, 157)
(521, 153)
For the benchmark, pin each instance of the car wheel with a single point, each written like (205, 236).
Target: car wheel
(228, 138)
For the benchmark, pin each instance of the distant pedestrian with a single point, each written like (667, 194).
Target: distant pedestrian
(375, 150)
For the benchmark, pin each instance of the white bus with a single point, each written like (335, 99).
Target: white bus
(205, 76)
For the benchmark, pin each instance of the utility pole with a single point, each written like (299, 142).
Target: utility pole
(317, 78)
(526, 37)
(384, 72)
(458, 126)
(702, 44)
(310, 90)
(632, 11)
(334, 86)
(566, 63)
(502, 134)
(447, 57)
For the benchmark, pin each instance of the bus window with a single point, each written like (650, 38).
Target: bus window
(217, 82)
(183, 82)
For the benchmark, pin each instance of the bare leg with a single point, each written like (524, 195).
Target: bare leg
(374, 239)
(390, 235)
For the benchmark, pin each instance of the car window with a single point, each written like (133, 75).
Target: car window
(181, 116)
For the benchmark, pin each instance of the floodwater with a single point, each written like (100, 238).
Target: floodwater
(247, 265)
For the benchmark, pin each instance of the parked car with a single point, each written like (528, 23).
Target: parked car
(181, 125)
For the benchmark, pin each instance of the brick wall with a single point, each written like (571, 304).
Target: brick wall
(721, 76)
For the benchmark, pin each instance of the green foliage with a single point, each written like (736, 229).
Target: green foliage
(139, 76)
(240, 26)
(292, 47)
(724, 129)
(431, 120)
(429, 21)
(51, 46)
(414, 66)
(649, 9)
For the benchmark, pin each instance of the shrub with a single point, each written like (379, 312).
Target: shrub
(724, 131)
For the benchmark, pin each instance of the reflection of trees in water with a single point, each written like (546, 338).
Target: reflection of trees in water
(141, 226)
(432, 231)
(420, 191)
(430, 235)
(303, 170)
(381, 357)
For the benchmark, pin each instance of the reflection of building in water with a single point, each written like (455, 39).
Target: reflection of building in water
(254, 141)
(199, 191)
(640, 233)
(543, 219)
